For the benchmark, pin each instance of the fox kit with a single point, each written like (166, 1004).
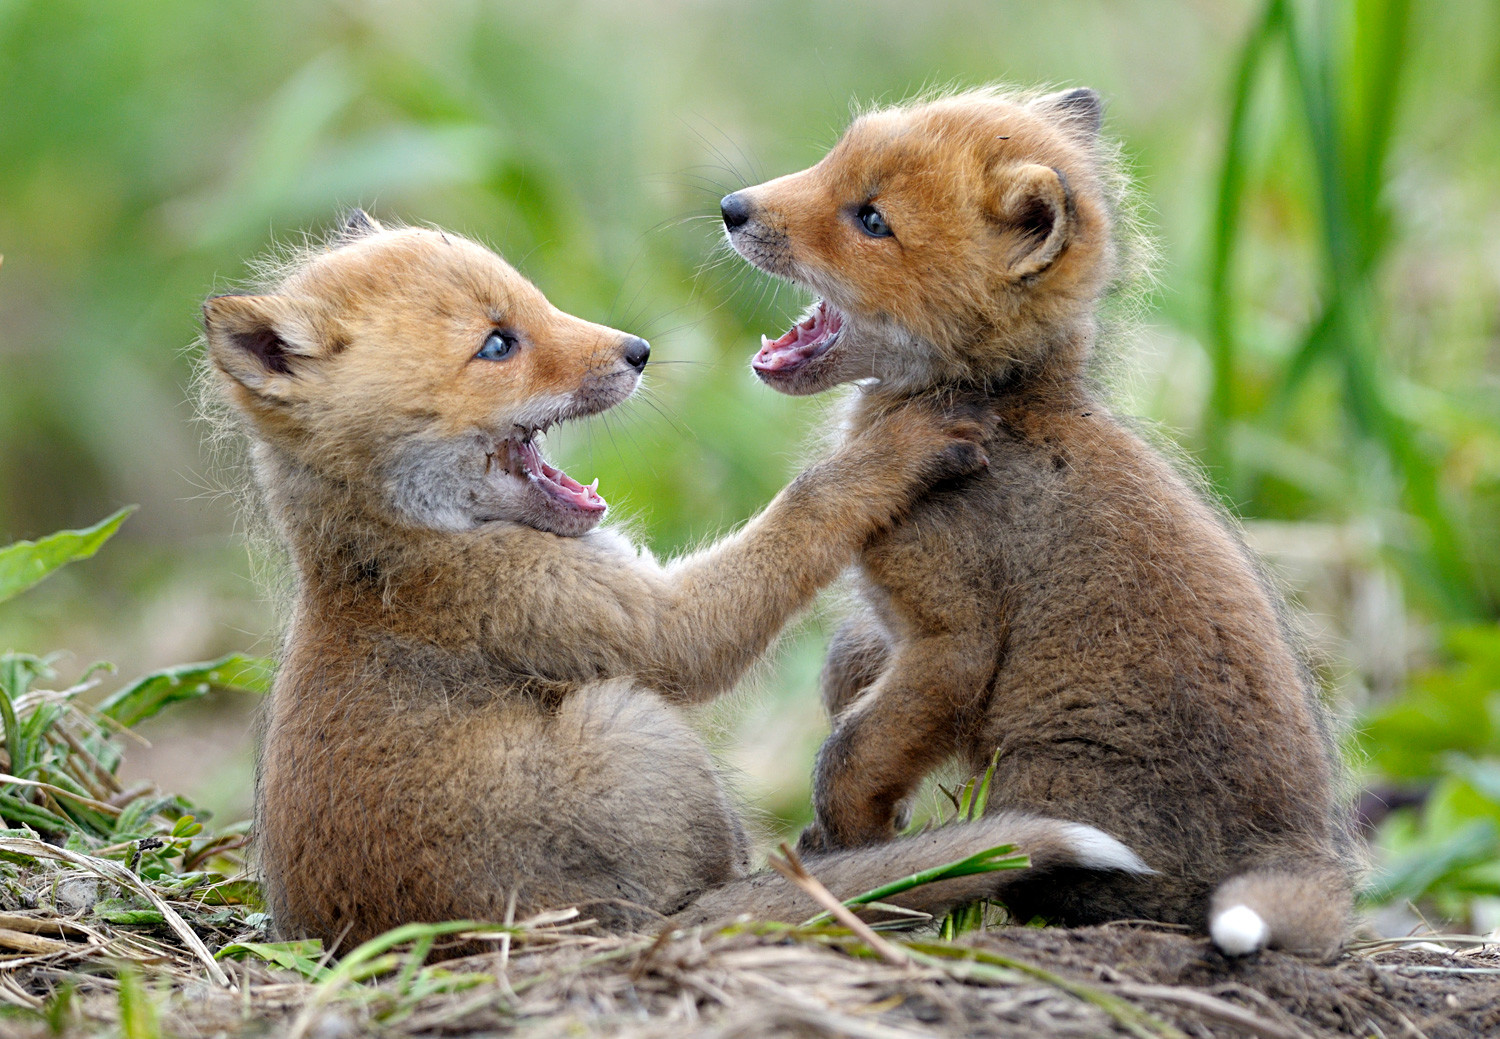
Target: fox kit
(1075, 609)
(480, 694)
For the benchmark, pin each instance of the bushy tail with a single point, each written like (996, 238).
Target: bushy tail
(1302, 909)
(1048, 842)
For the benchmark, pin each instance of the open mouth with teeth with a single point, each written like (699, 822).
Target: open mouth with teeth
(814, 334)
(580, 503)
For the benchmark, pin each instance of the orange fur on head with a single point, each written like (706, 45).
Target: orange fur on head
(396, 321)
(984, 194)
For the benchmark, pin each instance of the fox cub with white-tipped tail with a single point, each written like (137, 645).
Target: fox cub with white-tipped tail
(478, 708)
(1076, 608)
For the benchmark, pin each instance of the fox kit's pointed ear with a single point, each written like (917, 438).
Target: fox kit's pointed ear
(357, 224)
(1080, 110)
(264, 343)
(1034, 212)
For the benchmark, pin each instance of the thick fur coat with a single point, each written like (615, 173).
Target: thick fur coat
(1075, 612)
(479, 707)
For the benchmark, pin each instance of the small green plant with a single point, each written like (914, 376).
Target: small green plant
(1443, 735)
(61, 756)
(73, 839)
(137, 1011)
(969, 802)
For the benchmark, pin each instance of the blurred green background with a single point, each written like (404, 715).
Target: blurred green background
(1323, 336)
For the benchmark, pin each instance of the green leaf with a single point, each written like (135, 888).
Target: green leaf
(33, 730)
(1424, 868)
(127, 911)
(147, 696)
(15, 810)
(1483, 776)
(25, 563)
(304, 957)
(18, 671)
(59, 1010)
(134, 820)
(1453, 709)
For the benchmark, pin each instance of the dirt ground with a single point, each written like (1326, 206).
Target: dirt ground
(746, 983)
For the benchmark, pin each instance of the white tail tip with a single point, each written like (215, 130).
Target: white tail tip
(1239, 931)
(1096, 849)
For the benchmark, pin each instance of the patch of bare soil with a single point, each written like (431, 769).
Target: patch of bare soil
(748, 983)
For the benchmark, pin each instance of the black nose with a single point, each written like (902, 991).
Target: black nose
(736, 209)
(637, 350)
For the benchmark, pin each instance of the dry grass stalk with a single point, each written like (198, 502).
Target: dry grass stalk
(790, 866)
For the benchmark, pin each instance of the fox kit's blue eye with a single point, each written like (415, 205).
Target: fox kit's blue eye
(497, 347)
(873, 223)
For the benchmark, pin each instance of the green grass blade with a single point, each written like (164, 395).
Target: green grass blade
(1349, 144)
(979, 798)
(1314, 346)
(25, 563)
(1382, 30)
(137, 1013)
(147, 696)
(373, 954)
(420, 950)
(1226, 236)
(17, 672)
(988, 861)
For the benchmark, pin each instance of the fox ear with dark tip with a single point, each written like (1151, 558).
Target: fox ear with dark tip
(1033, 212)
(357, 224)
(264, 343)
(1080, 110)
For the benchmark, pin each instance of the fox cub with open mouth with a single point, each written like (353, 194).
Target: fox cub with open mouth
(1075, 611)
(478, 708)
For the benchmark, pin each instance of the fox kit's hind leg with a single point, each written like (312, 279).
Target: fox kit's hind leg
(893, 735)
(856, 655)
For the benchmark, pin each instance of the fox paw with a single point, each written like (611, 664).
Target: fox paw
(966, 425)
(903, 816)
(963, 455)
(814, 840)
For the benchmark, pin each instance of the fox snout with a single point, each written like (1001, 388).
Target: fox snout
(759, 232)
(735, 209)
(636, 352)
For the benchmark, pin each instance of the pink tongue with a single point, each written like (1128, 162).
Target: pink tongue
(802, 342)
(558, 483)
